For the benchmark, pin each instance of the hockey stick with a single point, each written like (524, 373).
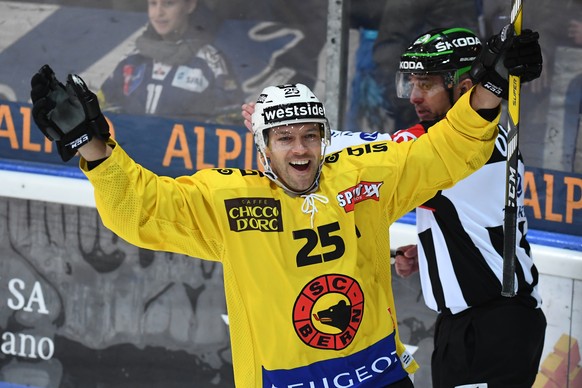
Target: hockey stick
(511, 176)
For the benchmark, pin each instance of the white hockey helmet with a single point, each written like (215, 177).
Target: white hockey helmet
(287, 104)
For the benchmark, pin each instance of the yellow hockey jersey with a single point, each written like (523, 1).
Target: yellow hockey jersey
(307, 278)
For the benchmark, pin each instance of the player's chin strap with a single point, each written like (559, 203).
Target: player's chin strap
(309, 207)
(269, 173)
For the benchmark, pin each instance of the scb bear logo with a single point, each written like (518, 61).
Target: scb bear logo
(328, 312)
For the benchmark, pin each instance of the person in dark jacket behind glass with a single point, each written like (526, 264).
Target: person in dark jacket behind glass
(175, 71)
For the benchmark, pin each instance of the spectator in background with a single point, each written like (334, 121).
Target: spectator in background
(573, 120)
(551, 115)
(553, 101)
(175, 71)
(366, 108)
(575, 31)
(400, 21)
(573, 103)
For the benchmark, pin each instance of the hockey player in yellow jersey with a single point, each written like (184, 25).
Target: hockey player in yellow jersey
(304, 243)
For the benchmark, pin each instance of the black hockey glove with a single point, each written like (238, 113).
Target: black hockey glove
(505, 54)
(524, 57)
(69, 115)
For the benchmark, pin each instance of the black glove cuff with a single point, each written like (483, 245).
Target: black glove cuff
(81, 135)
(496, 84)
(73, 140)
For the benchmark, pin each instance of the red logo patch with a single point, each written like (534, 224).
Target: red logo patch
(358, 193)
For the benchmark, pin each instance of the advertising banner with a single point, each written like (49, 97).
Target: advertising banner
(81, 308)
(553, 199)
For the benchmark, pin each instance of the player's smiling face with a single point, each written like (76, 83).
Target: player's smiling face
(294, 152)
